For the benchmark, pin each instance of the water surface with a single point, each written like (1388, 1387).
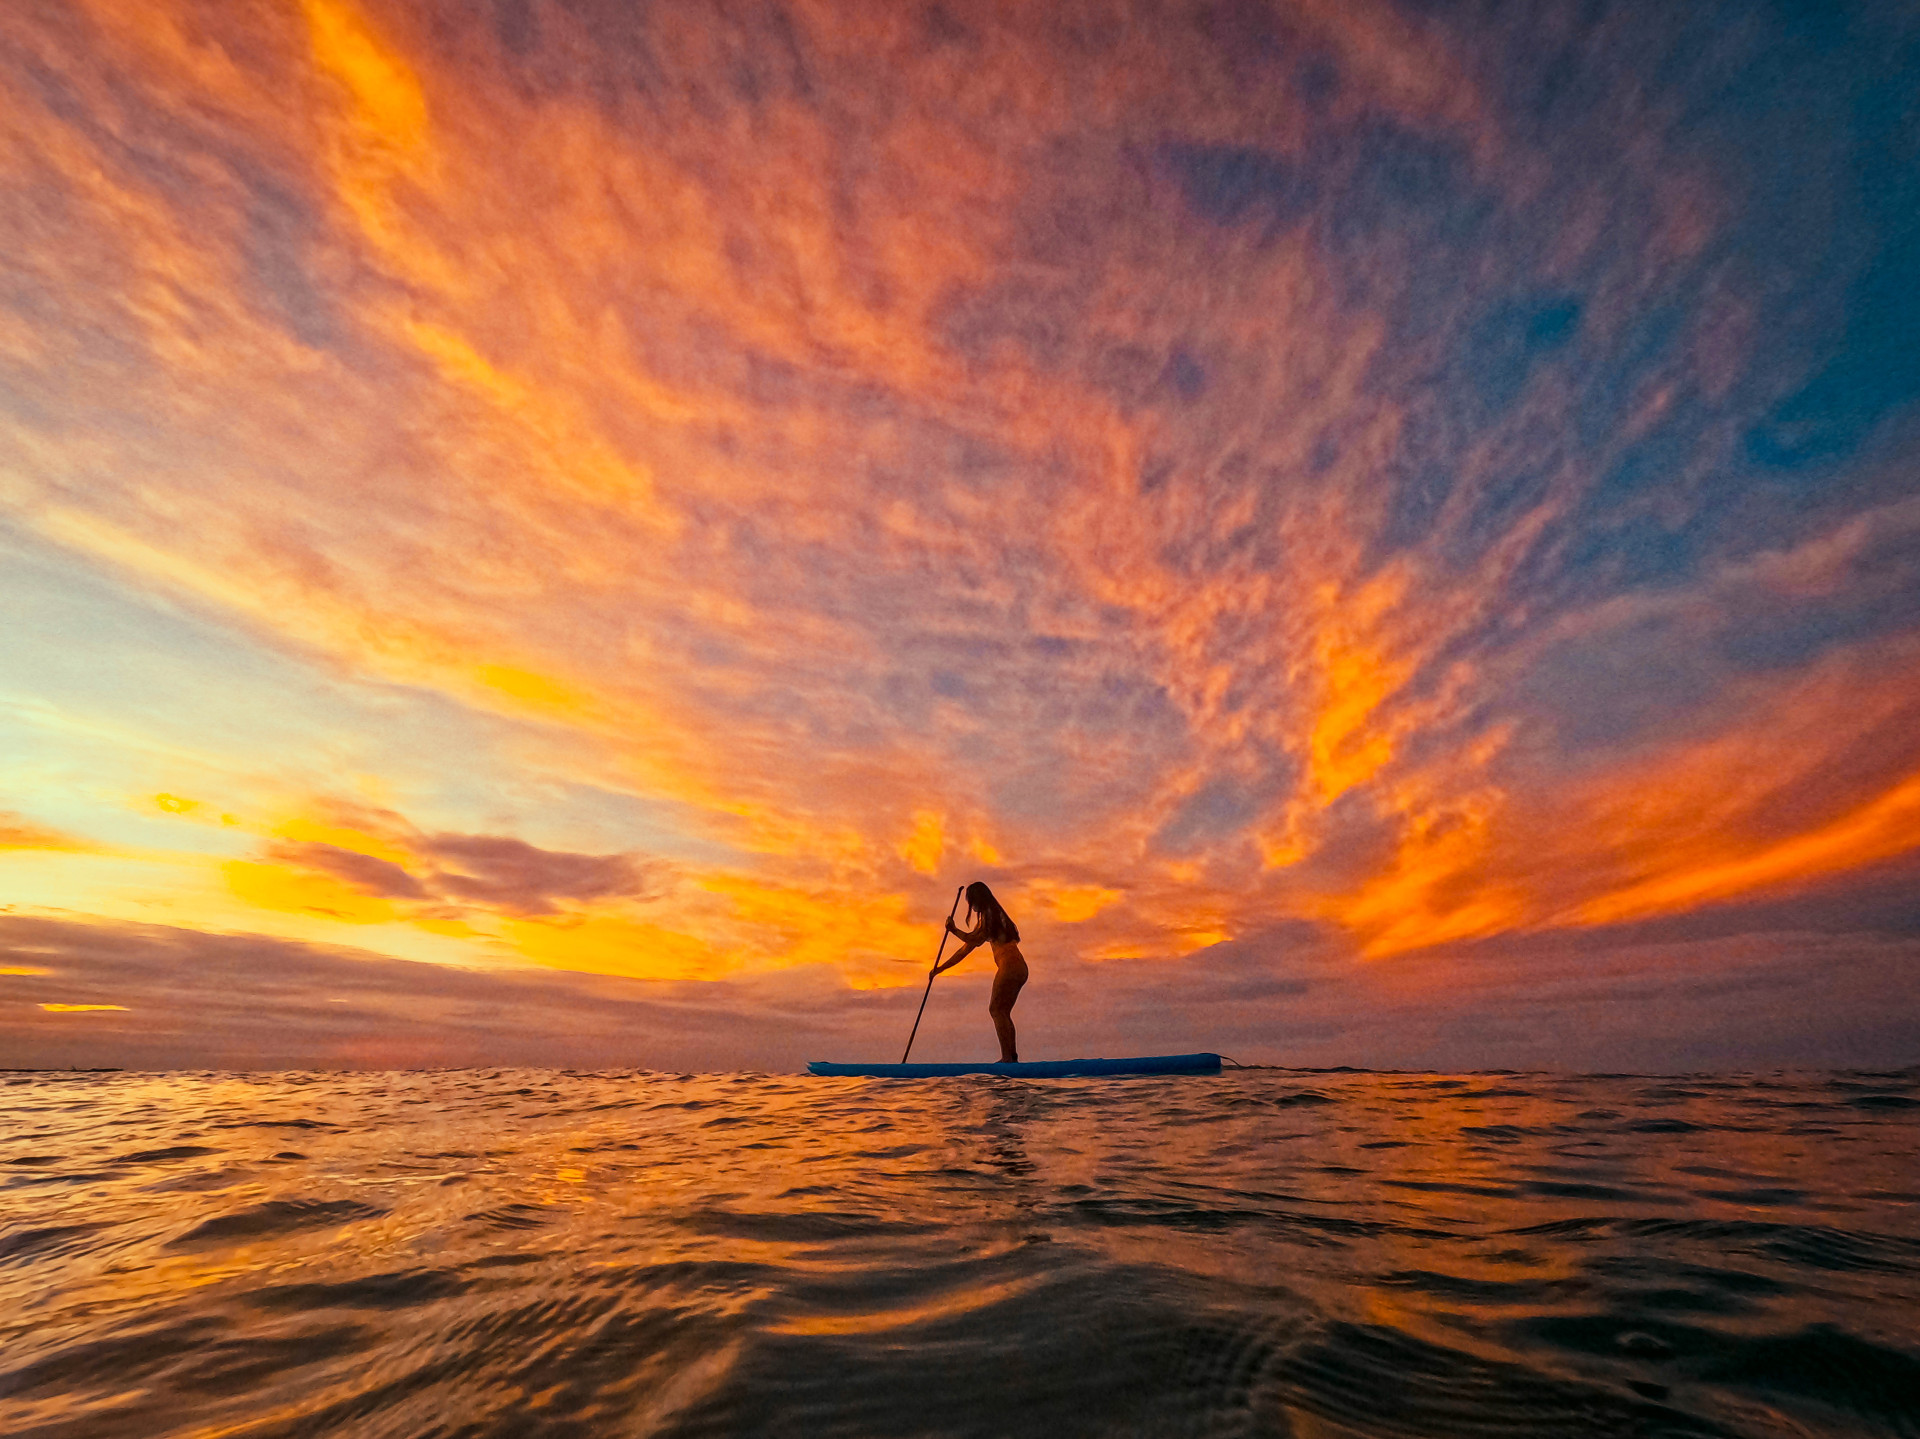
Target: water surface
(537, 1253)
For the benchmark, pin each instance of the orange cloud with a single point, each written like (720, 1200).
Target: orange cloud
(1882, 827)
(1069, 903)
(617, 944)
(924, 848)
(1815, 783)
(18, 832)
(1810, 784)
(302, 891)
(1437, 886)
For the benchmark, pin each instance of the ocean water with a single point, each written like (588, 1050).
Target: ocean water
(1264, 1253)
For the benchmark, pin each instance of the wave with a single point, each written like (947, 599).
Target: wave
(517, 1252)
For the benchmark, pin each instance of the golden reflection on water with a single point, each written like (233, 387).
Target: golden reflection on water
(219, 1254)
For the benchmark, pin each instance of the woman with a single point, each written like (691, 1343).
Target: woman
(993, 925)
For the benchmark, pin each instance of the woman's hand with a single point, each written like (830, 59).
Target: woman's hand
(955, 929)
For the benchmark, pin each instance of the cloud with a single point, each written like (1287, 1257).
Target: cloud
(19, 832)
(492, 871)
(1429, 475)
(520, 878)
(365, 872)
(141, 996)
(183, 999)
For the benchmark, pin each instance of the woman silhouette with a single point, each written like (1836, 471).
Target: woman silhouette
(993, 925)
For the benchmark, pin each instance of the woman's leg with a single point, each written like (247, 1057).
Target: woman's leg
(1006, 989)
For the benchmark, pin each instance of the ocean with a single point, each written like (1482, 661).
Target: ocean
(1268, 1252)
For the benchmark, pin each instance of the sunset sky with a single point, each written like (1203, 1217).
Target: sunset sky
(561, 530)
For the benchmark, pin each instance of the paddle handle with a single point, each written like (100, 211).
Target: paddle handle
(930, 973)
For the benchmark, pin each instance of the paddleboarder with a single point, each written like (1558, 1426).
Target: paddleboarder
(992, 925)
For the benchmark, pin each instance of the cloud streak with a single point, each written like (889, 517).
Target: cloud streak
(152, 997)
(491, 871)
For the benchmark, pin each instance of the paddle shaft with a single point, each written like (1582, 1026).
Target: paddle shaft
(930, 973)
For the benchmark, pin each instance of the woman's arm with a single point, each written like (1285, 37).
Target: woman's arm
(958, 955)
(971, 939)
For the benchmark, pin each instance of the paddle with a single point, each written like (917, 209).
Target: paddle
(930, 973)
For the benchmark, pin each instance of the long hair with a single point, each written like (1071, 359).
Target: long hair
(1000, 926)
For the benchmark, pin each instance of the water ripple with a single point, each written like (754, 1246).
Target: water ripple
(495, 1253)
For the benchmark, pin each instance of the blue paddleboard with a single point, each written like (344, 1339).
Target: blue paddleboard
(1039, 1069)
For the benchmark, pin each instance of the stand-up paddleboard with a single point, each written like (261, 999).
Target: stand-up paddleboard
(1036, 1069)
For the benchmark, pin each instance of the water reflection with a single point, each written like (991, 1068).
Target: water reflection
(1010, 1111)
(516, 1252)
